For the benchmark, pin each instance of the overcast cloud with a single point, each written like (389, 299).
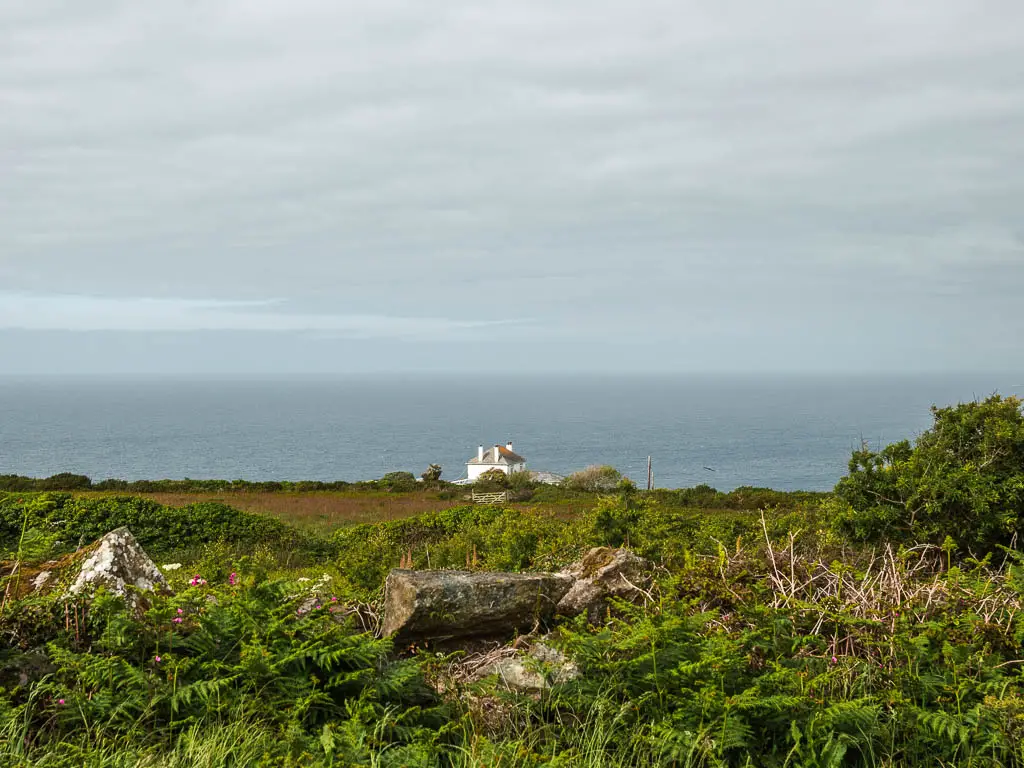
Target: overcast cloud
(537, 186)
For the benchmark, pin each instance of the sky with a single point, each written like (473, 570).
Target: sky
(324, 186)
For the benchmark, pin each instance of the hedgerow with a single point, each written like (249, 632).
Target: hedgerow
(160, 529)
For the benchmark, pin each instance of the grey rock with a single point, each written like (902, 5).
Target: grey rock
(118, 562)
(604, 573)
(538, 670)
(442, 605)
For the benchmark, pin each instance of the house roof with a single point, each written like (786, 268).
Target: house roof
(505, 456)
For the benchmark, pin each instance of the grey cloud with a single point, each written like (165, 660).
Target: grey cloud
(612, 170)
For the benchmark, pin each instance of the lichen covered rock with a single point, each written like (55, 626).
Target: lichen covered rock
(118, 563)
(605, 573)
(441, 605)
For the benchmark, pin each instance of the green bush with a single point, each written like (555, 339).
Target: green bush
(593, 479)
(492, 480)
(159, 529)
(398, 482)
(963, 478)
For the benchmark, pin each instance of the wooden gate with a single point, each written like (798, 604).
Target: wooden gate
(500, 497)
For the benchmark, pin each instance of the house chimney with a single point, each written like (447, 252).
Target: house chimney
(509, 445)
(480, 453)
(497, 452)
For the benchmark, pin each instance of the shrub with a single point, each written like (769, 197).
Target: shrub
(521, 486)
(492, 480)
(398, 481)
(593, 479)
(614, 519)
(964, 477)
(433, 473)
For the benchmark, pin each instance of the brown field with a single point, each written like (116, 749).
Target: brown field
(313, 510)
(325, 510)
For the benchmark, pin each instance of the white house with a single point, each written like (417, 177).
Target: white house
(500, 457)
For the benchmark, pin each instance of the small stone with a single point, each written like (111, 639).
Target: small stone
(541, 668)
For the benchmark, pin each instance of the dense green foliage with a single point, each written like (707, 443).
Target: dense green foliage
(963, 478)
(853, 629)
(210, 656)
(66, 521)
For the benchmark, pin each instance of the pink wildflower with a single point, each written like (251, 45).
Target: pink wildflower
(178, 619)
(180, 611)
(232, 579)
(61, 702)
(834, 660)
(334, 599)
(157, 659)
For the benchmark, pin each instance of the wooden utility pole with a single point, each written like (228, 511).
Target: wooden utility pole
(650, 477)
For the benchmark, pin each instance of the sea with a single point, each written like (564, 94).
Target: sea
(783, 432)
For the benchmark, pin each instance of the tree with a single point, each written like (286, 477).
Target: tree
(433, 474)
(963, 478)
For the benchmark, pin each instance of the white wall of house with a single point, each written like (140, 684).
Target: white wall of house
(473, 471)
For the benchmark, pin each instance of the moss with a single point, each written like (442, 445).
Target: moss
(595, 560)
(17, 580)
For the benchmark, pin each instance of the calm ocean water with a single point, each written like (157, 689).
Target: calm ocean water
(780, 432)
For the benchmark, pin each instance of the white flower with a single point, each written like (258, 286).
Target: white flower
(171, 566)
(303, 579)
